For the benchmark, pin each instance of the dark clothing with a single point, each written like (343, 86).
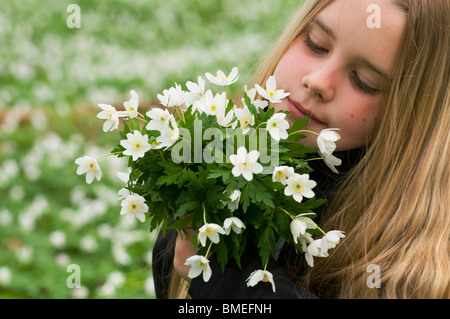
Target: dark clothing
(232, 283)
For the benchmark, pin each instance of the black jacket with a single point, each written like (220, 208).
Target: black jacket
(232, 283)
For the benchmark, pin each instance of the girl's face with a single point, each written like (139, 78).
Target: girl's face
(336, 69)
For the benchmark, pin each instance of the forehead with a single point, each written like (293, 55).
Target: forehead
(371, 29)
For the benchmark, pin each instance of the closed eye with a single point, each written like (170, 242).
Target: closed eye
(314, 47)
(361, 86)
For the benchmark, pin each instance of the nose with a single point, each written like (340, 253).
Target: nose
(320, 82)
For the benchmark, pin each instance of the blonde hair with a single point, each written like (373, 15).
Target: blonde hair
(395, 204)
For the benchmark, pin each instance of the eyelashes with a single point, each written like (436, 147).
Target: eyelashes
(355, 80)
(314, 46)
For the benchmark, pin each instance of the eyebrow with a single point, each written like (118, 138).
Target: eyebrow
(360, 60)
(325, 28)
(375, 69)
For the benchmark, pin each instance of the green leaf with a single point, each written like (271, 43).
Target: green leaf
(186, 207)
(266, 244)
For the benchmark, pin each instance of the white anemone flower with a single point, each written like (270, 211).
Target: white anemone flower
(278, 126)
(299, 226)
(199, 265)
(110, 114)
(260, 275)
(225, 120)
(332, 238)
(196, 91)
(326, 140)
(136, 145)
(131, 106)
(233, 223)
(331, 161)
(89, 166)
(233, 203)
(271, 93)
(259, 104)
(214, 105)
(134, 205)
(245, 117)
(169, 135)
(160, 119)
(282, 173)
(222, 79)
(175, 96)
(211, 231)
(299, 186)
(245, 164)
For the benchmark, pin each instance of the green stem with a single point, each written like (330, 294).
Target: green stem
(209, 248)
(313, 159)
(286, 212)
(304, 131)
(204, 213)
(115, 153)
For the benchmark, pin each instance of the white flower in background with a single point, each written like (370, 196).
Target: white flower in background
(245, 117)
(5, 276)
(300, 224)
(5, 217)
(62, 259)
(326, 140)
(259, 104)
(278, 126)
(149, 287)
(211, 231)
(136, 145)
(116, 278)
(160, 119)
(196, 91)
(271, 93)
(89, 166)
(110, 114)
(199, 265)
(24, 254)
(57, 238)
(299, 186)
(134, 205)
(222, 79)
(260, 275)
(131, 106)
(282, 173)
(233, 223)
(169, 135)
(80, 293)
(88, 244)
(233, 203)
(245, 164)
(175, 96)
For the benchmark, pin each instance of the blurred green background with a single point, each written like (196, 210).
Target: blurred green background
(51, 79)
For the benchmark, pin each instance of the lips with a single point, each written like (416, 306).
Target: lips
(299, 111)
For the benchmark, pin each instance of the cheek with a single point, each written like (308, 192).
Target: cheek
(361, 117)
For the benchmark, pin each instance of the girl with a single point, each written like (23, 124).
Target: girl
(387, 88)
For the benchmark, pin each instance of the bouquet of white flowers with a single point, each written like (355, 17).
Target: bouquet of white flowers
(238, 175)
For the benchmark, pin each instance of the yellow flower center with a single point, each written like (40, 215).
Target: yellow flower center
(299, 187)
(280, 174)
(91, 166)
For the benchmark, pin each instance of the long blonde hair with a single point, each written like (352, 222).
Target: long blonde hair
(395, 204)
